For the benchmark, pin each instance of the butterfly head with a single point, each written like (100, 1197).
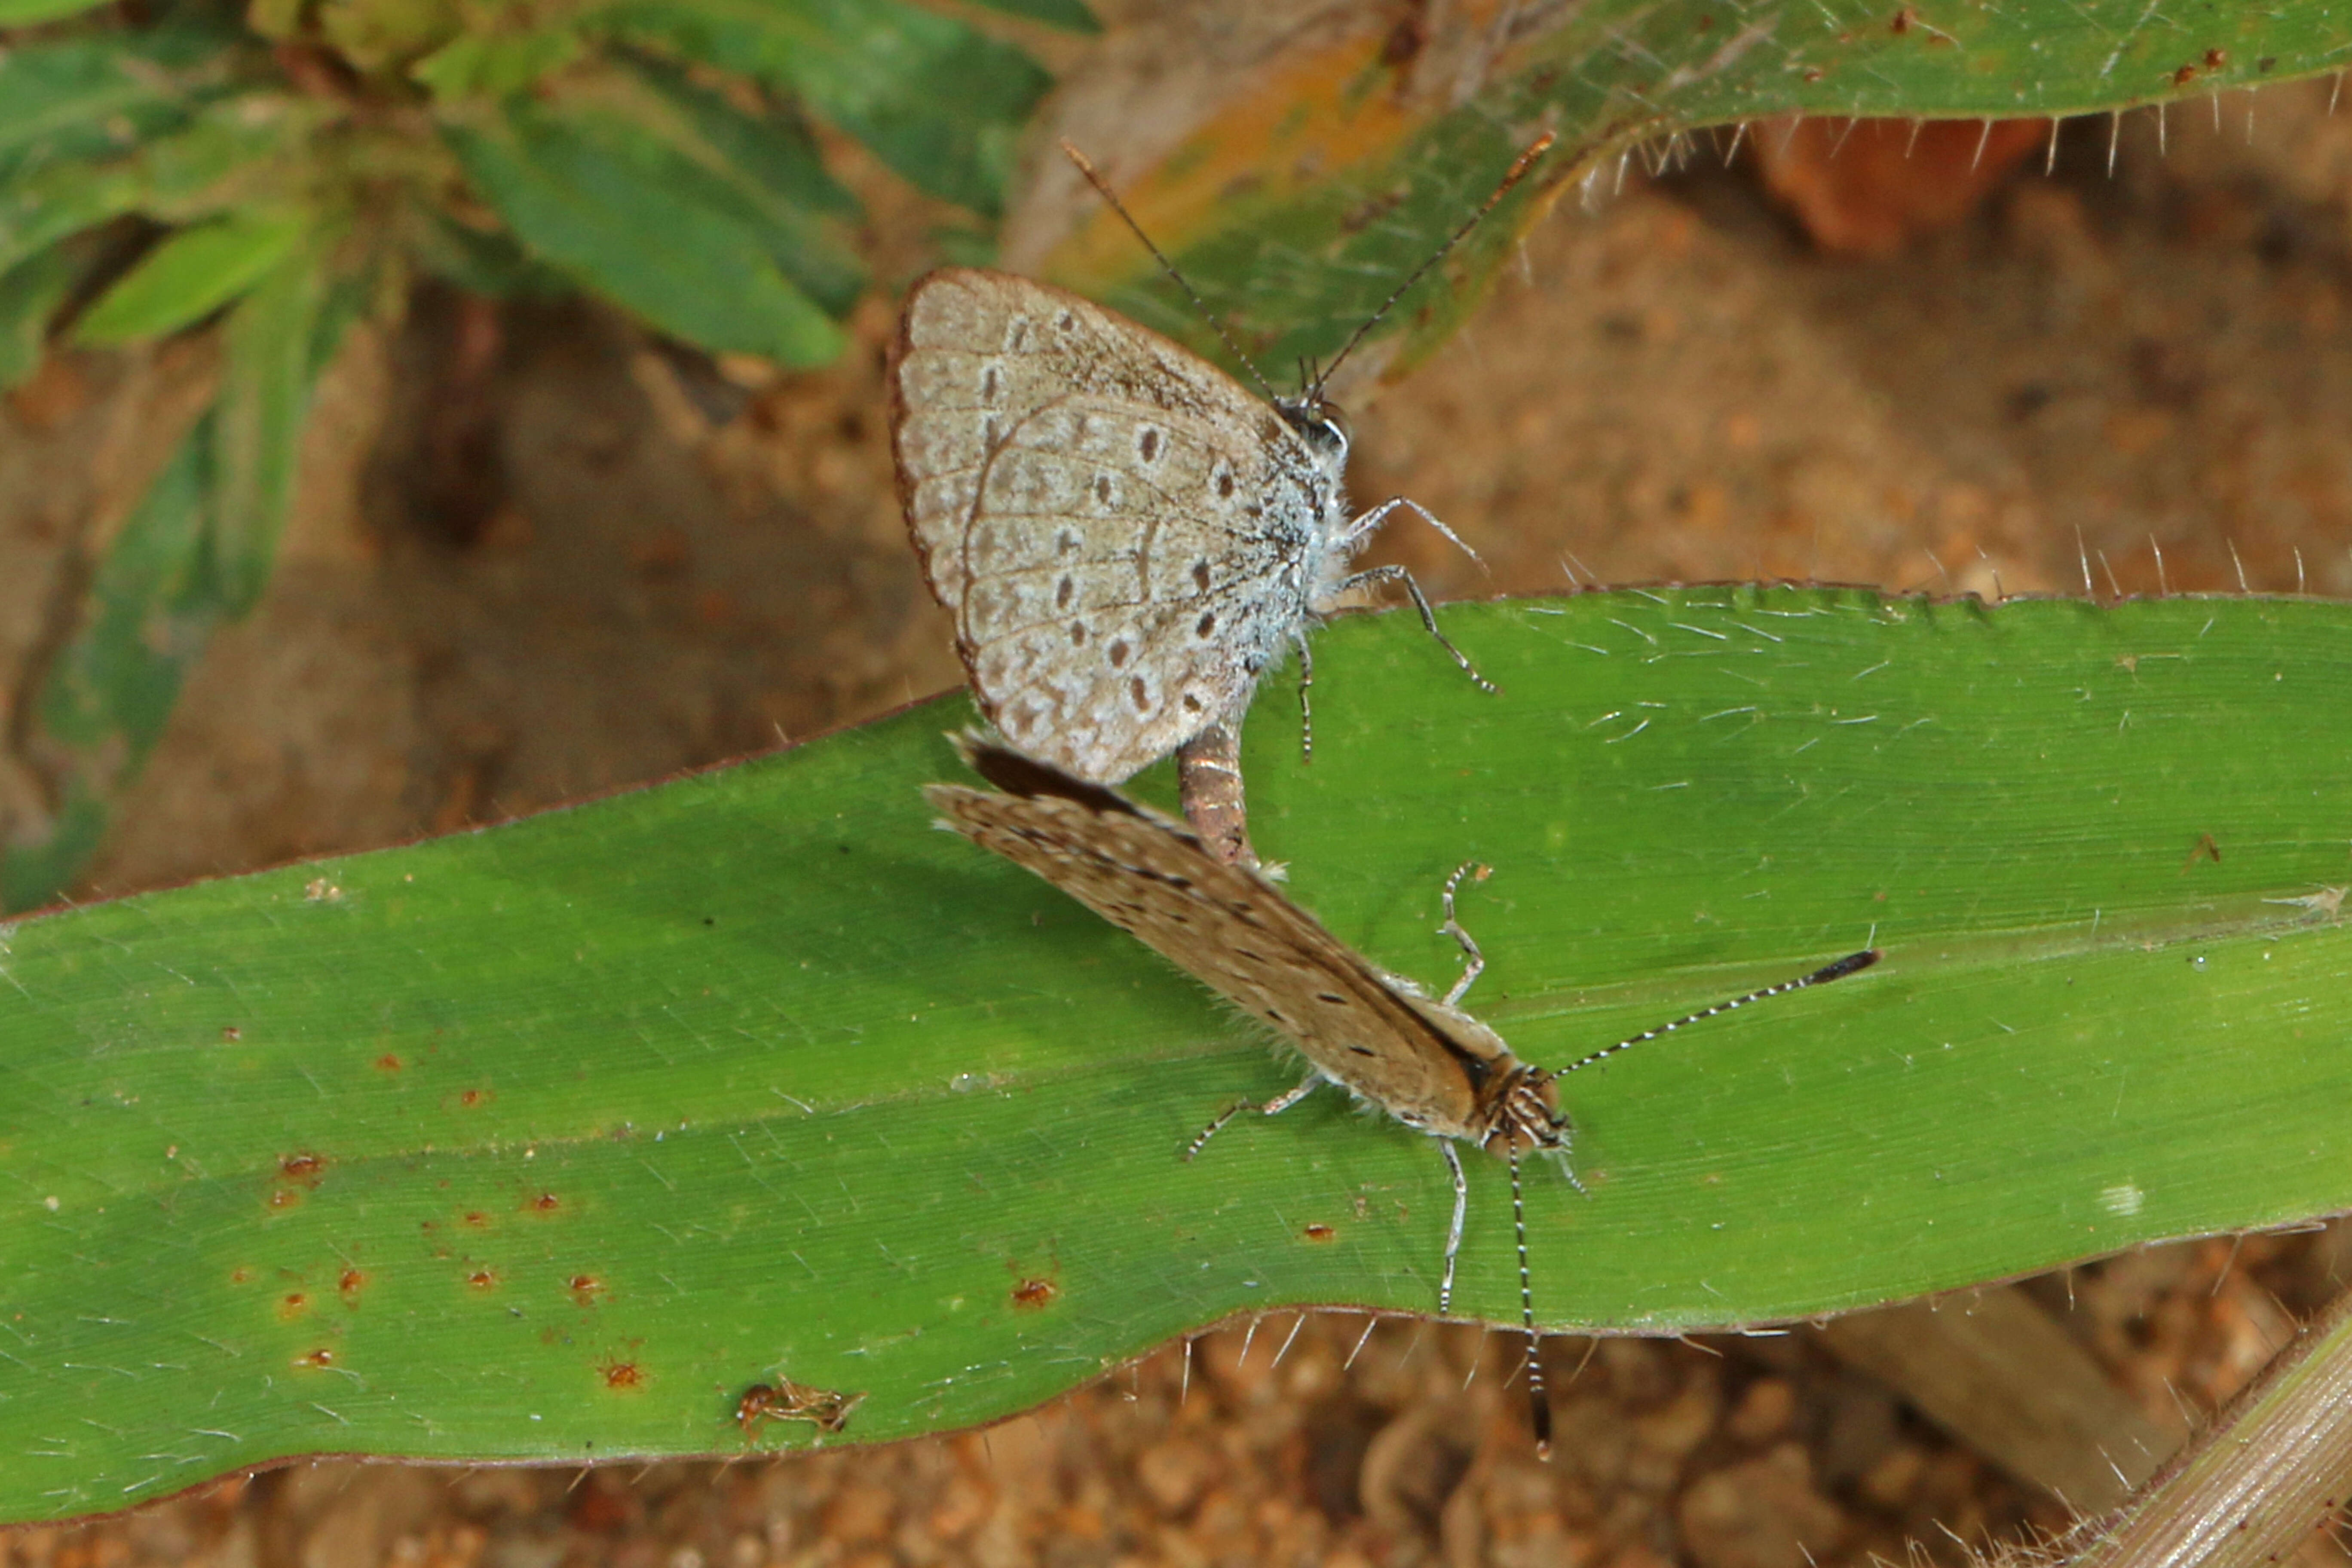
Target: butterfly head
(1318, 421)
(1522, 1112)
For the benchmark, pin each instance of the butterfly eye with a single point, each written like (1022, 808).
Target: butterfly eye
(1335, 432)
(1321, 425)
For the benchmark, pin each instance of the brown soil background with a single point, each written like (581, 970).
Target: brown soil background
(539, 556)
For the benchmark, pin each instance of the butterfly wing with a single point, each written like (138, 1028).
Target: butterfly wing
(1125, 536)
(1236, 934)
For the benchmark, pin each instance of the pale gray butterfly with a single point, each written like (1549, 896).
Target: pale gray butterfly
(1127, 537)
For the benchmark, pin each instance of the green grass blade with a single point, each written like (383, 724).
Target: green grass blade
(1306, 198)
(547, 1140)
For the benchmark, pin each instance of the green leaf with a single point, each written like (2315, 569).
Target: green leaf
(1309, 198)
(597, 196)
(273, 356)
(386, 36)
(192, 274)
(496, 65)
(492, 263)
(942, 104)
(1070, 15)
(234, 152)
(149, 610)
(31, 13)
(30, 292)
(88, 96)
(774, 168)
(756, 1074)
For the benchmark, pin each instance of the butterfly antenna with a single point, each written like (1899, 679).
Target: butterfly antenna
(1094, 178)
(1538, 1403)
(1851, 963)
(1517, 171)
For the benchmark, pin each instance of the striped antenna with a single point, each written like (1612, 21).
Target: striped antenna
(1851, 963)
(1538, 1402)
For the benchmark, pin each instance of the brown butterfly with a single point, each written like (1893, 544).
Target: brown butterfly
(1420, 1058)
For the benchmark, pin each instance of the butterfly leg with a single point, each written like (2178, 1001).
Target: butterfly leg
(1474, 962)
(1454, 1232)
(1394, 573)
(1360, 528)
(1305, 707)
(1275, 1107)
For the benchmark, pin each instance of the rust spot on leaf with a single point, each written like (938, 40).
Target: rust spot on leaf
(305, 1168)
(1320, 1233)
(231, 1034)
(547, 1203)
(1034, 1295)
(622, 1374)
(350, 1284)
(293, 1305)
(387, 1063)
(483, 1279)
(585, 1289)
(324, 1356)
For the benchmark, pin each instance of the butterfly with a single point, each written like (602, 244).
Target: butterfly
(1127, 537)
(1420, 1058)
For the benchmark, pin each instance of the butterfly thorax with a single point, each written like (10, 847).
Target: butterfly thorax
(1321, 427)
